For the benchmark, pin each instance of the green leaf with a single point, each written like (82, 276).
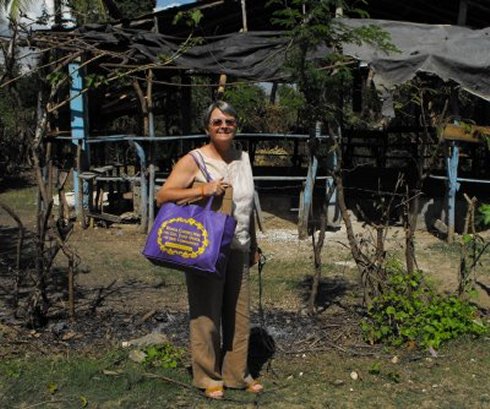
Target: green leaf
(189, 18)
(52, 388)
(390, 310)
(484, 213)
(375, 369)
(394, 376)
(83, 401)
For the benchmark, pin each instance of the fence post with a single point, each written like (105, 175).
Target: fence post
(306, 196)
(333, 211)
(144, 187)
(151, 155)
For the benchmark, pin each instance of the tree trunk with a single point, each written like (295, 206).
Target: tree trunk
(317, 253)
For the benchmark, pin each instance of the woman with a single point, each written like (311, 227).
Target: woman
(219, 358)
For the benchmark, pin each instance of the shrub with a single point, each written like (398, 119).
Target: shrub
(410, 311)
(483, 216)
(163, 356)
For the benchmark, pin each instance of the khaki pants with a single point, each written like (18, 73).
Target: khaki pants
(220, 357)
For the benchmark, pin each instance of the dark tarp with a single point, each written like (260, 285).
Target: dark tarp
(250, 55)
(254, 55)
(450, 52)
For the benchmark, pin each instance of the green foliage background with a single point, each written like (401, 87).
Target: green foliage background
(93, 11)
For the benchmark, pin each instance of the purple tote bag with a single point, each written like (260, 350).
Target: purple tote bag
(191, 238)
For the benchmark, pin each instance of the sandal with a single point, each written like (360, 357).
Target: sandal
(255, 387)
(214, 392)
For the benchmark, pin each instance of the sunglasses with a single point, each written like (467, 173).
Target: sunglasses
(219, 122)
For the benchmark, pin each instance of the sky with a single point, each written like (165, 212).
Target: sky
(164, 4)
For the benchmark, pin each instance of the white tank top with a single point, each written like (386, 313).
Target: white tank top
(238, 174)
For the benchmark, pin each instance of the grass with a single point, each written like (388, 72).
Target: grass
(457, 378)
(22, 202)
(79, 381)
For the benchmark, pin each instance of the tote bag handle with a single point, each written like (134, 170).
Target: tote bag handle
(197, 156)
(227, 197)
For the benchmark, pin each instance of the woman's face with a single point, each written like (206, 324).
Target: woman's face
(221, 127)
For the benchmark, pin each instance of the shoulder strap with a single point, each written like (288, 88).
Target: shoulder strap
(197, 156)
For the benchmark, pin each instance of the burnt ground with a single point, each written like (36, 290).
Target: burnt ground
(115, 307)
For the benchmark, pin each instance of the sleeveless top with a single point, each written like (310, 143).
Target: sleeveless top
(238, 173)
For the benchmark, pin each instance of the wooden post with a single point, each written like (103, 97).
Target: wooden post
(462, 12)
(79, 136)
(143, 105)
(306, 198)
(273, 94)
(244, 16)
(185, 106)
(452, 175)
(144, 187)
(151, 153)
(258, 211)
(71, 288)
(333, 212)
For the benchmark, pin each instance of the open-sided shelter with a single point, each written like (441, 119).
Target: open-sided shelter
(236, 39)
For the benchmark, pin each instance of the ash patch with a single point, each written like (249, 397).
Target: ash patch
(97, 332)
(289, 332)
(295, 332)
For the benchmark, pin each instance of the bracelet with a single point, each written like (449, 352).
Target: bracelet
(202, 190)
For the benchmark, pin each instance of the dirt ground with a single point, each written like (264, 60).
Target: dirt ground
(121, 296)
(279, 240)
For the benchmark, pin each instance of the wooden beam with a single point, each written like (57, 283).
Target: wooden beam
(465, 132)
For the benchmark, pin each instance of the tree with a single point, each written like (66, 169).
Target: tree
(85, 11)
(251, 100)
(88, 11)
(323, 75)
(15, 7)
(97, 11)
(16, 102)
(56, 50)
(132, 9)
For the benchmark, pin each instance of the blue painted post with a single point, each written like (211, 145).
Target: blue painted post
(453, 186)
(306, 198)
(79, 136)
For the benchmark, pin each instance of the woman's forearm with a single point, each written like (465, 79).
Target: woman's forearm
(180, 194)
